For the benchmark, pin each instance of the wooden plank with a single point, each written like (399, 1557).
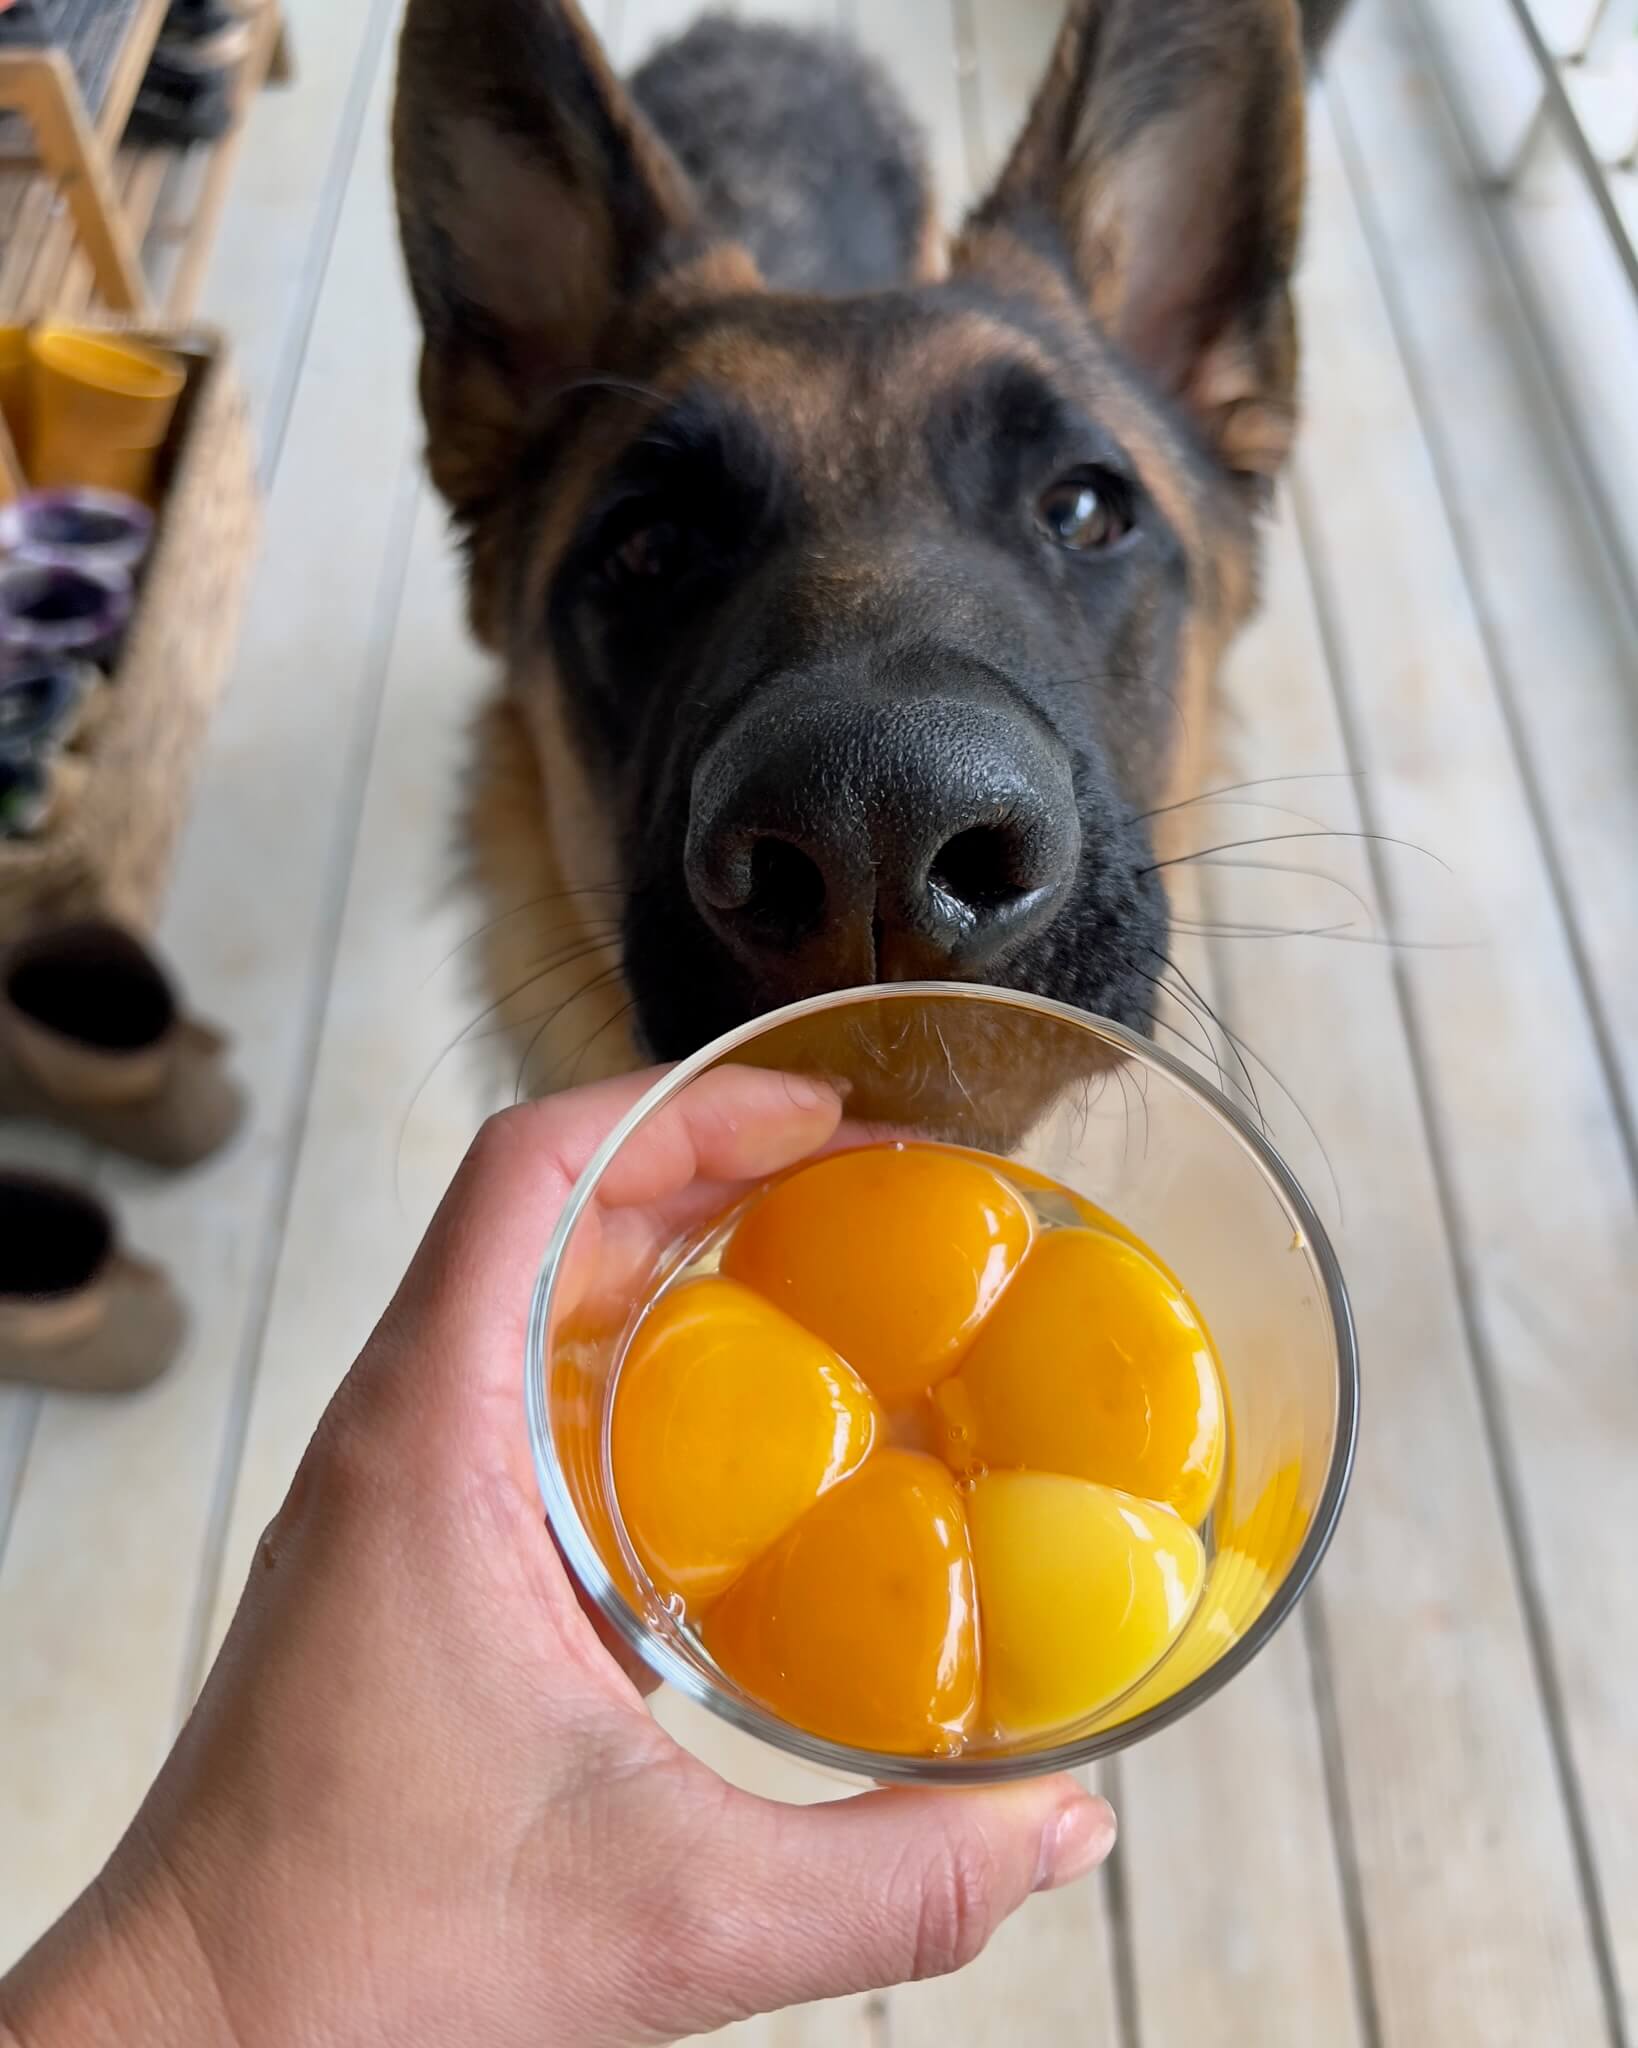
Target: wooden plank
(98, 1590)
(19, 1415)
(1010, 47)
(1582, 289)
(1561, 255)
(199, 237)
(1219, 1961)
(1451, 1779)
(280, 220)
(73, 158)
(916, 41)
(125, 81)
(1505, 104)
(43, 239)
(30, 1148)
(395, 1098)
(388, 1116)
(1238, 1930)
(1447, 1776)
(1532, 1177)
(30, 203)
(13, 482)
(1557, 637)
(139, 175)
(60, 276)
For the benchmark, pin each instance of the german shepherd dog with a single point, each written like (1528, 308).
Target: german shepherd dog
(858, 596)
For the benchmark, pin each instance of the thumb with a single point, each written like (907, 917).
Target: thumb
(815, 1901)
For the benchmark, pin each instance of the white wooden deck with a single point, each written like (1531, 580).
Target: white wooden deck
(1415, 1823)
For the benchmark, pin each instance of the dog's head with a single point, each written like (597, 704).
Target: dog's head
(860, 633)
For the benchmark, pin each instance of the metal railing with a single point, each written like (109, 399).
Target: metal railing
(1581, 112)
(1589, 92)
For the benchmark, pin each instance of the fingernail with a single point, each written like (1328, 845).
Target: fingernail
(807, 1093)
(1074, 1842)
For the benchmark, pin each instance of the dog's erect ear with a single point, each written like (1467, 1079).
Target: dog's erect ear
(1162, 162)
(532, 197)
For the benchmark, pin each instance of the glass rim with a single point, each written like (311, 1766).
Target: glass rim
(881, 1765)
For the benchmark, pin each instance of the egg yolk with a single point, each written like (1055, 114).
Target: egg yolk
(729, 1422)
(1093, 1364)
(859, 1624)
(892, 1254)
(1080, 1590)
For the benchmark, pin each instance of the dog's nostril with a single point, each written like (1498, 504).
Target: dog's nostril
(787, 891)
(984, 868)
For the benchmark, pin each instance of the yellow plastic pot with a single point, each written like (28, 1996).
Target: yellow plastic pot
(101, 407)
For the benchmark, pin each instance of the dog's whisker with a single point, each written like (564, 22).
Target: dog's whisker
(470, 1034)
(586, 988)
(1283, 838)
(1205, 1045)
(1228, 1086)
(1203, 928)
(1206, 1010)
(1245, 1050)
(1242, 803)
(1207, 796)
(608, 1024)
(532, 908)
(1196, 1006)
(1337, 934)
(1283, 867)
(550, 963)
(949, 1061)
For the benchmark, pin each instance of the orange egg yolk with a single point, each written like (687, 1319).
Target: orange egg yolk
(892, 1254)
(730, 1421)
(858, 1624)
(1093, 1364)
(924, 1472)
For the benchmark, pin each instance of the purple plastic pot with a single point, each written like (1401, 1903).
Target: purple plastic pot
(62, 607)
(101, 528)
(40, 704)
(25, 797)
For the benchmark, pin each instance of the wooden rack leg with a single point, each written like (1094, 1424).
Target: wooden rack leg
(13, 483)
(43, 89)
(281, 66)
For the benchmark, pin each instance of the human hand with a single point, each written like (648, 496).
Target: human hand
(419, 1801)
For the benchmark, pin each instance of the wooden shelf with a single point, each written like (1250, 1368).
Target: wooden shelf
(44, 267)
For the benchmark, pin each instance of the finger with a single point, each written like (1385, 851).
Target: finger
(800, 1903)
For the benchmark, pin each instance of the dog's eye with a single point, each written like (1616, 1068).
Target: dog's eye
(1086, 510)
(647, 553)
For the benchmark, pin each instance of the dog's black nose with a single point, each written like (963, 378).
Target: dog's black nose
(850, 842)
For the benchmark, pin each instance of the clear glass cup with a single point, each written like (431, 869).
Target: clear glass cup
(1056, 1093)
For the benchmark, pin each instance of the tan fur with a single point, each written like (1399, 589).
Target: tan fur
(549, 965)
